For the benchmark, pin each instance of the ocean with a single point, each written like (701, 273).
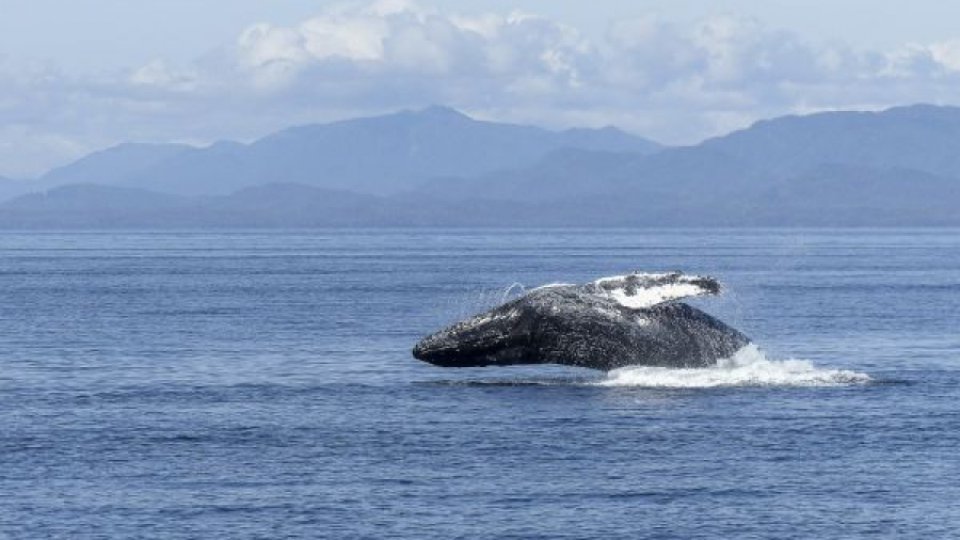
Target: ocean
(260, 385)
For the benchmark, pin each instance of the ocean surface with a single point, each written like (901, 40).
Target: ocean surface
(260, 385)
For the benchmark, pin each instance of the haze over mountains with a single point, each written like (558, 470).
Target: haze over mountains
(438, 167)
(381, 155)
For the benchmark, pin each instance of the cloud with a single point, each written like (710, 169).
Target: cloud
(676, 83)
(387, 44)
(158, 74)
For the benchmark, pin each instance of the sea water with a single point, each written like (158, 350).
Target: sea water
(260, 385)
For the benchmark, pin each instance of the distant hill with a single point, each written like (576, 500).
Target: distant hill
(92, 207)
(919, 137)
(114, 165)
(672, 174)
(267, 206)
(798, 202)
(437, 167)
(895, 167)
(10, 187)
(382, 154)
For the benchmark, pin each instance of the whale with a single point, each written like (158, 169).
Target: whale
(635, 319)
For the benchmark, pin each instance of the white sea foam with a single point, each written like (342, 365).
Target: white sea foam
(748, 367)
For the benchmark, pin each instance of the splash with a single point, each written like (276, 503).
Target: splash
(748, 367)
(509, 291)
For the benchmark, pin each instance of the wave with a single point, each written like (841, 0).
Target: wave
(748, 367)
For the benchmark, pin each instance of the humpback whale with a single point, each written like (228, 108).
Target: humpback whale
(634, 319)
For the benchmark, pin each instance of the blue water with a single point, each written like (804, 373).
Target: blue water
(260, 385)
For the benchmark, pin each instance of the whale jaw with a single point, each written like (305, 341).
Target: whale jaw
(457, 357)
(499, 337)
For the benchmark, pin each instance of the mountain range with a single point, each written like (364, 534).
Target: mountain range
(381, 155)
(439, 167)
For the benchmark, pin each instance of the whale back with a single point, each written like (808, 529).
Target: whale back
(671, 334)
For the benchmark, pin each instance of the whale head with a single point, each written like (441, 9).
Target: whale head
(498, 337)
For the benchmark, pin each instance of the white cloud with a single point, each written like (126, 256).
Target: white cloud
(947, 54)
(158, 74)
(673, 82)
(391, 38)
(916, 60)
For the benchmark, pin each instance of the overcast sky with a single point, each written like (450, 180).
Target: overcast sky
(80, 75)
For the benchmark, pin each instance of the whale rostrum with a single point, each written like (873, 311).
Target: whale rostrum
(635, 319)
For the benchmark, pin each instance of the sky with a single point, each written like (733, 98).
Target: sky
(83, 75)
